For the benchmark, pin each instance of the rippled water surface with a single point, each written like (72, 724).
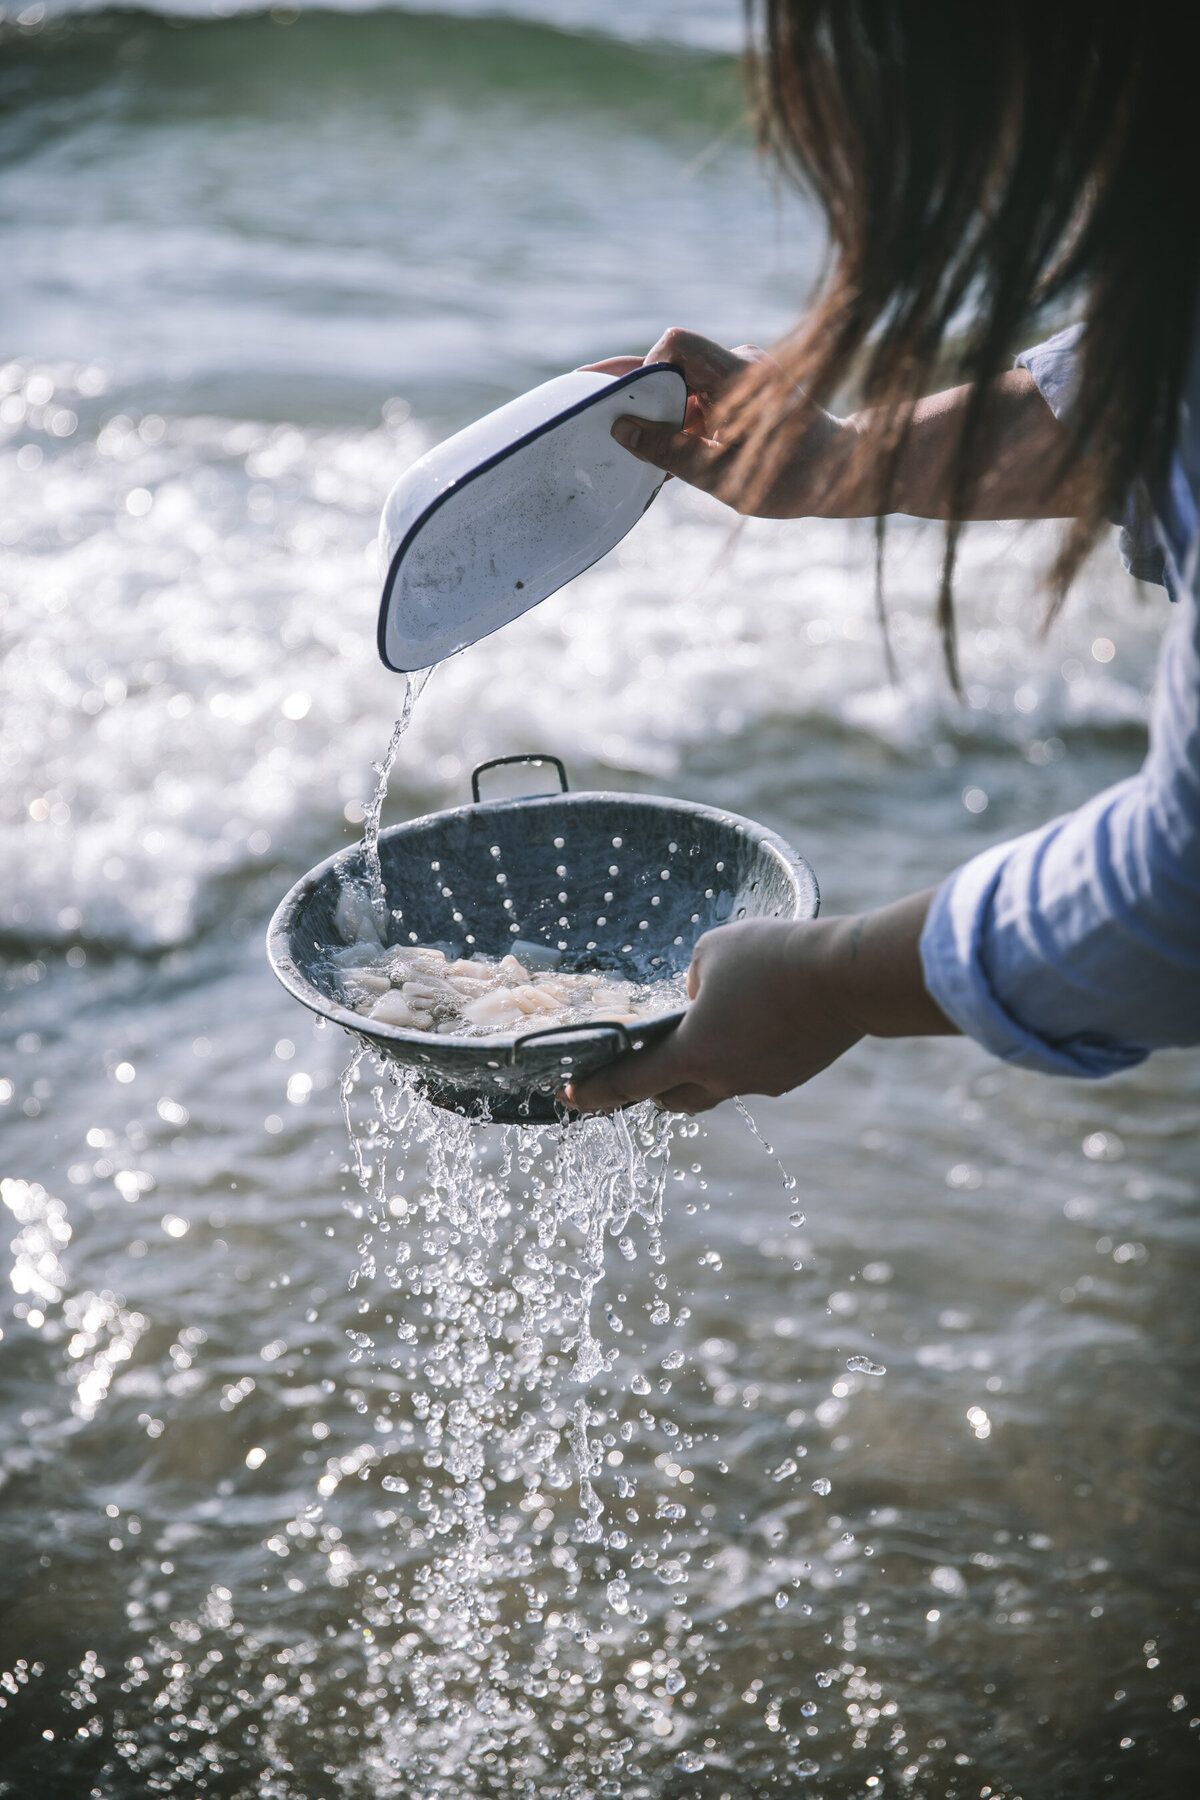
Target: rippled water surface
(293, 1514)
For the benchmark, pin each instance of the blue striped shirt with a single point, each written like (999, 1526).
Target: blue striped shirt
(1075, 949)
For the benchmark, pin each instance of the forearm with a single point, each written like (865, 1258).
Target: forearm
(1019, 452)
(870, 975)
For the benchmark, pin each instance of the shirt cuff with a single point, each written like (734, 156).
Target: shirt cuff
(957, 980)
(1054, 366)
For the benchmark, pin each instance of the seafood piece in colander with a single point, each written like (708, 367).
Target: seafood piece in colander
(419, 987)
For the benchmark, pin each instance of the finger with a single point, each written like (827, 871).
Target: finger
(612, 365)
(694, 459)
(687, 1099)
(706, 366)
(638, 1076)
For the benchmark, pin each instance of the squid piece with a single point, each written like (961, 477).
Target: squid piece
(392, 1009)
(363, 987)
(355, 917)
(495, 1011)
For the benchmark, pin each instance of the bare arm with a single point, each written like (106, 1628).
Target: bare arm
(1020, 448)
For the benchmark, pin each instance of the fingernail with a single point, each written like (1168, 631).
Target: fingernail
(627, 432)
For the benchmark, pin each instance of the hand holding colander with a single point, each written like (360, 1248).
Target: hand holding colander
(775, 1001)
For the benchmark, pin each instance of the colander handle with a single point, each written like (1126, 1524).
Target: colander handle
(624, 1041)
(537, 758)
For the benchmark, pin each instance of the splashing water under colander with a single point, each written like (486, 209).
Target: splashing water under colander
(622, 882)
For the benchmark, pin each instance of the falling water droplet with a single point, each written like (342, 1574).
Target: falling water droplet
(862, 1365)
(822, 1485)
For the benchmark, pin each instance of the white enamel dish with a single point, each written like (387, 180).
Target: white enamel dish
(503, 514)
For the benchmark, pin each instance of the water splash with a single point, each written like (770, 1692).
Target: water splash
(516, 1443)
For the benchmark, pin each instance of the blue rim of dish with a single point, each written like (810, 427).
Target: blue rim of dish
(482, 468)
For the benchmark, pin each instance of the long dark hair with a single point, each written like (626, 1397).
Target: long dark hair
(979, 166)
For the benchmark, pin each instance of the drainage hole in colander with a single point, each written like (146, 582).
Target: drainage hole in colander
(602, 920)
(617, 842)
(672, 848)
(720, 868)
(614, 868)
(562, 899)
(654, 900)
(502, 879)
(559, 842)
(643, 924)
(495, 849)
(561, 871)
(708, 893)
(664, 875)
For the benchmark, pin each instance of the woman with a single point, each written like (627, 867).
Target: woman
(974, 164)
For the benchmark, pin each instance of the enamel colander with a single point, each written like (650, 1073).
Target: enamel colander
(624, 882)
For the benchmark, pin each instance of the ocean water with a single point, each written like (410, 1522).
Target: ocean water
(255, 264)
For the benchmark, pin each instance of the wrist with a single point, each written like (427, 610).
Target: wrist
(869, 974)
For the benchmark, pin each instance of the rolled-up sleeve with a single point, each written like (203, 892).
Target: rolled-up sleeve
(1054, 368)
(1075, 949)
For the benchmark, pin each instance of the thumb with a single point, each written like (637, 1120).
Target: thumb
(693, 459)
(637, 1076)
